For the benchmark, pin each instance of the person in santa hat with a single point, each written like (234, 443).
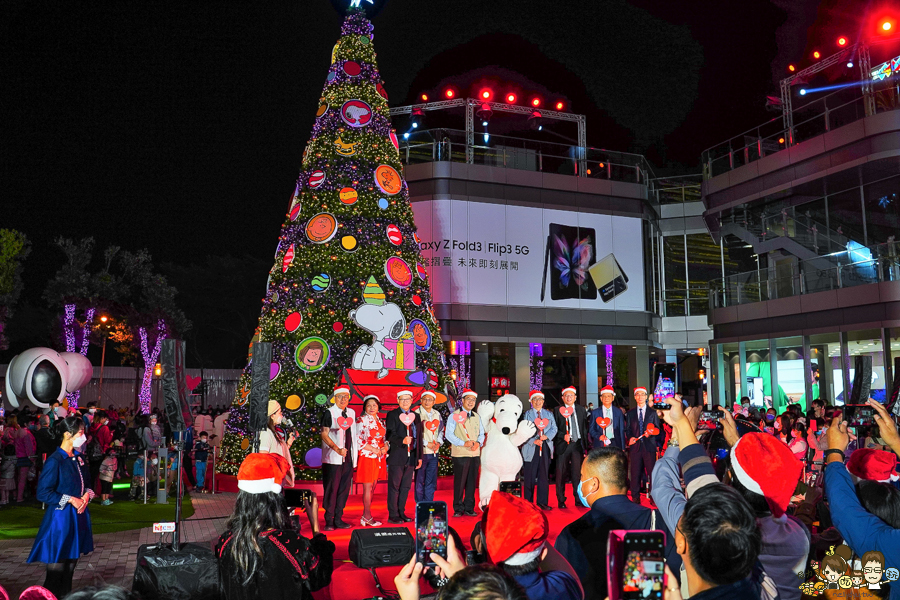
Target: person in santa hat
(642, 445)
(466, 436)
(432, 438)
(404, 437)
(570, 445)
(537, 451)
(522, 551)
(259, 555)
(273, 441)
(340, 452)
(613, 434)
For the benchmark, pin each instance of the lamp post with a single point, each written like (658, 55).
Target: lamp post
(104, 320)
(157, 371)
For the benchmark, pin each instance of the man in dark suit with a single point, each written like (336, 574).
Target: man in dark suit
(569, 444)
(613, 434)
(641, 445)
(404, 435)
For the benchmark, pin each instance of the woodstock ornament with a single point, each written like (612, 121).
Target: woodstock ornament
(500, 456)
(384, 320)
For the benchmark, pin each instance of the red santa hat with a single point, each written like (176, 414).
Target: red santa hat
(569, 389)
(404, 393)
(640, 389)
(872, 464)
(608, 389)
(468, 392)
(514, 545)
(428, 393)
(765, 465)
(261, 473)
(534, 394)
(341, 389)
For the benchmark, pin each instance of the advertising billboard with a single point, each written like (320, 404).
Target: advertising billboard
(498, 254)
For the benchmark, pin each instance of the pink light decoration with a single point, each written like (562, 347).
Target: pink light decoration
(149, 362)
(609, 367)
(69, 329)
(536, 367)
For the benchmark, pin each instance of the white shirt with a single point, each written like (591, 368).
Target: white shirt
(331, 457)
(607, 412)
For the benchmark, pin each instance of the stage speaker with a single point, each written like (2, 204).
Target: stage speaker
(259, 385)
(177, 409)
(381, 547)
(862, 380)
(161, 573)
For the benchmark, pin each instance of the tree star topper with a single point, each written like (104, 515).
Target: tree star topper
(355, 3)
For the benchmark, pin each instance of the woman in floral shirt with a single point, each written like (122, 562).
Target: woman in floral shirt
(372, 449)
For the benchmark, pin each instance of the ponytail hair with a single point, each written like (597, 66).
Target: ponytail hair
(70, 425)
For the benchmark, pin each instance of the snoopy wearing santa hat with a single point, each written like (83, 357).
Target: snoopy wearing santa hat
(500, 456)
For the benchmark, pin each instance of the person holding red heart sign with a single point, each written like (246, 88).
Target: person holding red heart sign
(642, 426)
(404, 436)
(372, 450)
(570, 445)
(607, 423)
(340, 449)
(466, 436)
(537, 452)
(432, 438)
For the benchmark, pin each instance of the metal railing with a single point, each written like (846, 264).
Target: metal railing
(848, 268)
(431, 145)
(818, 116)
(684, 302)
(678, 189)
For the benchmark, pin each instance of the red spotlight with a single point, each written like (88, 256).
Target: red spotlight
(486, 94)
(792, 68)
(842, 41)
(536, 102)
(816, 54)
(511, 98)
(424, 97)
(560, 105)
(449, 93)
(887, 25)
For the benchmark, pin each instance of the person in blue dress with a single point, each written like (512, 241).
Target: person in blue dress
(65, 532)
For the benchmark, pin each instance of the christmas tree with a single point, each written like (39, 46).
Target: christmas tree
(348, 298)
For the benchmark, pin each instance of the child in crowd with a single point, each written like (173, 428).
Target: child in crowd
(173, 471)
(108, 472)
(201, 454)
(7, 473)
(139, 478)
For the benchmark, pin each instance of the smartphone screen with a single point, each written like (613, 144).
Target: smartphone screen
(431, 531)
(643, 565)
(572, 252)
(512, 487)
(709, 419)
(859, 415)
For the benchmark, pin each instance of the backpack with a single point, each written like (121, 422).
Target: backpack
(94, 452)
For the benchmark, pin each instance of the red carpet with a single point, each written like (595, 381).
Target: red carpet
(351, 583)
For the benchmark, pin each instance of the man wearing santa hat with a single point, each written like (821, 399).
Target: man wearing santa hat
(569, 445)
(432, 438)
(642, 443)
(537, 451)
(607, 423)
(522, 551)
(403, 432)
(466, 436)
(340, 449)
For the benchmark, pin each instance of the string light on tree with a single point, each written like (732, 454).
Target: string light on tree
(150, 358)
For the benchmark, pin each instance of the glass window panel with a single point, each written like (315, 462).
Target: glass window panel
(828, 382)
(865, 346)
(883, 210)
(845, 214)
(676, 285)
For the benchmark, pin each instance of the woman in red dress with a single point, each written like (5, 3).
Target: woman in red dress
(372, 449)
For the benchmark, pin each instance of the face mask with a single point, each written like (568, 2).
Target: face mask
(581, 494)
(203, 439)
(79, 441)
(154, 461)
(770, 417)
(92, 411)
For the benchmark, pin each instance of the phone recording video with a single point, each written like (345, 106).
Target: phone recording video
(637, 564)
(295, 497)
(859, 415)
(431, 531)
(512, 487)
(709, 420)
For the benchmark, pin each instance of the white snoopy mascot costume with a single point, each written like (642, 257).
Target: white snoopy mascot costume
(500, 456)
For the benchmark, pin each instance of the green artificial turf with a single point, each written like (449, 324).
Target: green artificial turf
(23, 522)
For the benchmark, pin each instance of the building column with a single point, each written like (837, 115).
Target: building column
(845, 365)
(481, 373)
(588, 374)
(888, 360)
(639, 375)
(773, 370)
(717, 395)
(520, 369)
(742, 357)
(807, 371)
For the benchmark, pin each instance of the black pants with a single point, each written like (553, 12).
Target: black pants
(336, 479)
(465, 478)
(537, 472)
(189, 469)
(641, 462)
(399, 484)
(568, 466)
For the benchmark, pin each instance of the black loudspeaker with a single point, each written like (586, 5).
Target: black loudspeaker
(862, 380)
(892, 405)
(177, 409)
(381, 547)
(259, 385)
(188, 574)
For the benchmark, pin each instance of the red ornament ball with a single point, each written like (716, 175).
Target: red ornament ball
(352, 68)
(292, 322)
(338, 327)
(417, 300)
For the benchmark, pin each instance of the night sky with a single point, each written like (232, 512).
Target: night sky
(180, 128)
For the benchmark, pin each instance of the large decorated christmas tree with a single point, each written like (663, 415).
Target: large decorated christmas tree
(348, 298)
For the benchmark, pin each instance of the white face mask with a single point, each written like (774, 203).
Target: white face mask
(153, 461)
(79, 440)
(92, 411)
(203, 439)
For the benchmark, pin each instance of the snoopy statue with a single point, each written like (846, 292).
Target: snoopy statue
(500, 456)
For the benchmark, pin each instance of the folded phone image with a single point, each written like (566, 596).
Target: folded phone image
(609, 278)
(636, 564)
(570, 251)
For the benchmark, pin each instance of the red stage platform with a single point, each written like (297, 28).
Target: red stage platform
(351, 583)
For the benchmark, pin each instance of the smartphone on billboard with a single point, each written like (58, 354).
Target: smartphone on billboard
(431, 531)
(636, 564)
(609, 277)
(512, 487)
(570, 252)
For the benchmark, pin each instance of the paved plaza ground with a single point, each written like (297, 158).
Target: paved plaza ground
(115, 554)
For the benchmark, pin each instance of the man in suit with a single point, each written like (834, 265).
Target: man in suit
(641, 445)
(403, 432)
(537, 452)
(569, 444)
(614, 433)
